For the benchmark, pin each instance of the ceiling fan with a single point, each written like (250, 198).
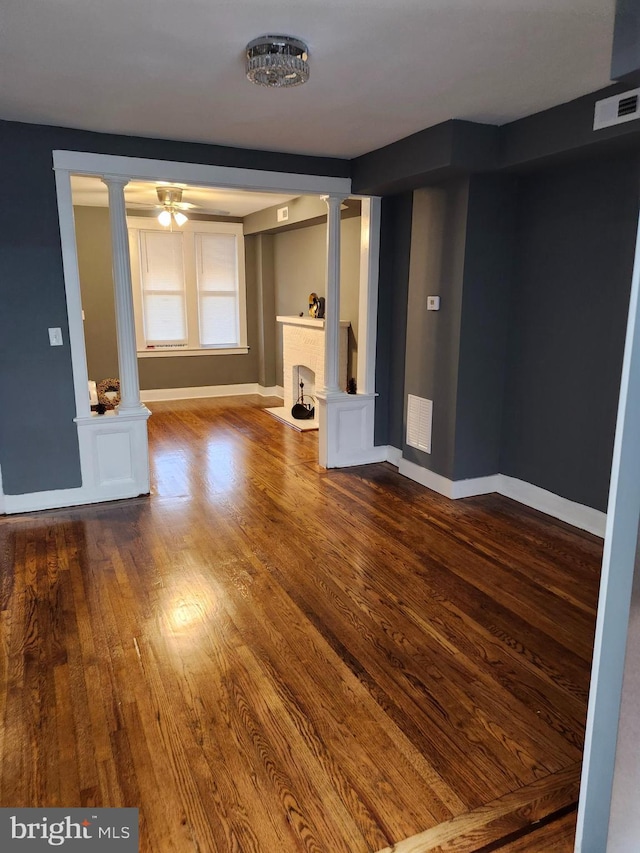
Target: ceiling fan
(173, 209)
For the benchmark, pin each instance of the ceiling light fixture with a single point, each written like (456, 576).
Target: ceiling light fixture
(277, 61)
(171, 198)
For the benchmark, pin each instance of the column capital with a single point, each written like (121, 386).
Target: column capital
(335, 199)
(114, 180)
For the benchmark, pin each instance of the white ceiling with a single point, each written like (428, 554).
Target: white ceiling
(92, 192)
(380, 69)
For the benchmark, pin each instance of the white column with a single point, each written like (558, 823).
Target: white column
(332, 299)
(125, 324)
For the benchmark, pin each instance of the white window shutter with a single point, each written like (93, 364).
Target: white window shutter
(163, 288)
(217, 273)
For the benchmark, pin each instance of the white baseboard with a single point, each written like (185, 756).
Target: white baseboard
(57, 499)
(453, 489)
(584, 517)
(376, 454)
(427, 478)
(202, 391)
(394, 455)
(578, 515)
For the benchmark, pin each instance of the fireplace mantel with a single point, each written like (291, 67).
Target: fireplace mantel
(311, 322)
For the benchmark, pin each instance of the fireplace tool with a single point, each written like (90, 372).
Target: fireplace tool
(301, 410)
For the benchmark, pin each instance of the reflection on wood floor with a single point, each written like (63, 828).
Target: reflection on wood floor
(266, 656)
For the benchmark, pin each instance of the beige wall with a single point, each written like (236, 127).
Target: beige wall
(93, 238)
(300, 264)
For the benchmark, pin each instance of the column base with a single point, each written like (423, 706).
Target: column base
(114, 455)
(346, 424)
(137, 410)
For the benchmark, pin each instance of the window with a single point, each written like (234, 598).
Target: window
(217, 273)
(188, 287)
(164, 315)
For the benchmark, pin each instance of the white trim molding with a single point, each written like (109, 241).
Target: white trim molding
(578, 515)
(55, 499)
(453, 489)
(177, 352)
(203, 391)
(101, 440)
(346, 423)
(139, 168)
(394, 455)
(113, 461)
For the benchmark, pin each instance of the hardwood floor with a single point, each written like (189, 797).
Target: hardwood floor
(557, 836)
(267, 656)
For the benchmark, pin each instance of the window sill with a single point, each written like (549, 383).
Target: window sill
(179, 353)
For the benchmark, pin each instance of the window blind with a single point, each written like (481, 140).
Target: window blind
(163, 288)
(217, 275)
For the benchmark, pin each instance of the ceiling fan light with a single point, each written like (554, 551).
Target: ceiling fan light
(165, 218)
(180, 218)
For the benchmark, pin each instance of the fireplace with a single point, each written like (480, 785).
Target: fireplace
(303, 352)
(304, 374)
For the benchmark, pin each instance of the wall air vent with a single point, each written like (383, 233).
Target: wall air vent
(616, 110)
(419, 421)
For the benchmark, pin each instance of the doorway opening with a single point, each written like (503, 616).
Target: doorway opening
(127, 435)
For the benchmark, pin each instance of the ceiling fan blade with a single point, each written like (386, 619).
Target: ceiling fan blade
(211, 211)
(184, 205)
(144, 205)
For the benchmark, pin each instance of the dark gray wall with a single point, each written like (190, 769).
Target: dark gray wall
(395, 250)
(457, 148)
(439, 153)
(572, 275)
(38, 439)
(461, 248)
(436, 268)
(550, 253)
(483, 330)
(625, 56)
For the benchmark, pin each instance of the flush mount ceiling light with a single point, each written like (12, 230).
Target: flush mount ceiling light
(171, 198)
(277, 61)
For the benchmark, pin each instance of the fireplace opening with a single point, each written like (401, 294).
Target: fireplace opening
(302, 373)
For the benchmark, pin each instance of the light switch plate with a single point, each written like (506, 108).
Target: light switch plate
(55, 337)
(433, 303)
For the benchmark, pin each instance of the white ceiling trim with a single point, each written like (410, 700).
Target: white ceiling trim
(85, 163)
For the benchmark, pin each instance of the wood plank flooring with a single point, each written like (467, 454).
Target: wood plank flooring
(267, 656)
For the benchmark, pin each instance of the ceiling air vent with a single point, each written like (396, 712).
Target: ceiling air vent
(616, 110)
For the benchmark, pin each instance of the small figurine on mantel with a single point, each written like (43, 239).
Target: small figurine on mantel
(316, 306)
